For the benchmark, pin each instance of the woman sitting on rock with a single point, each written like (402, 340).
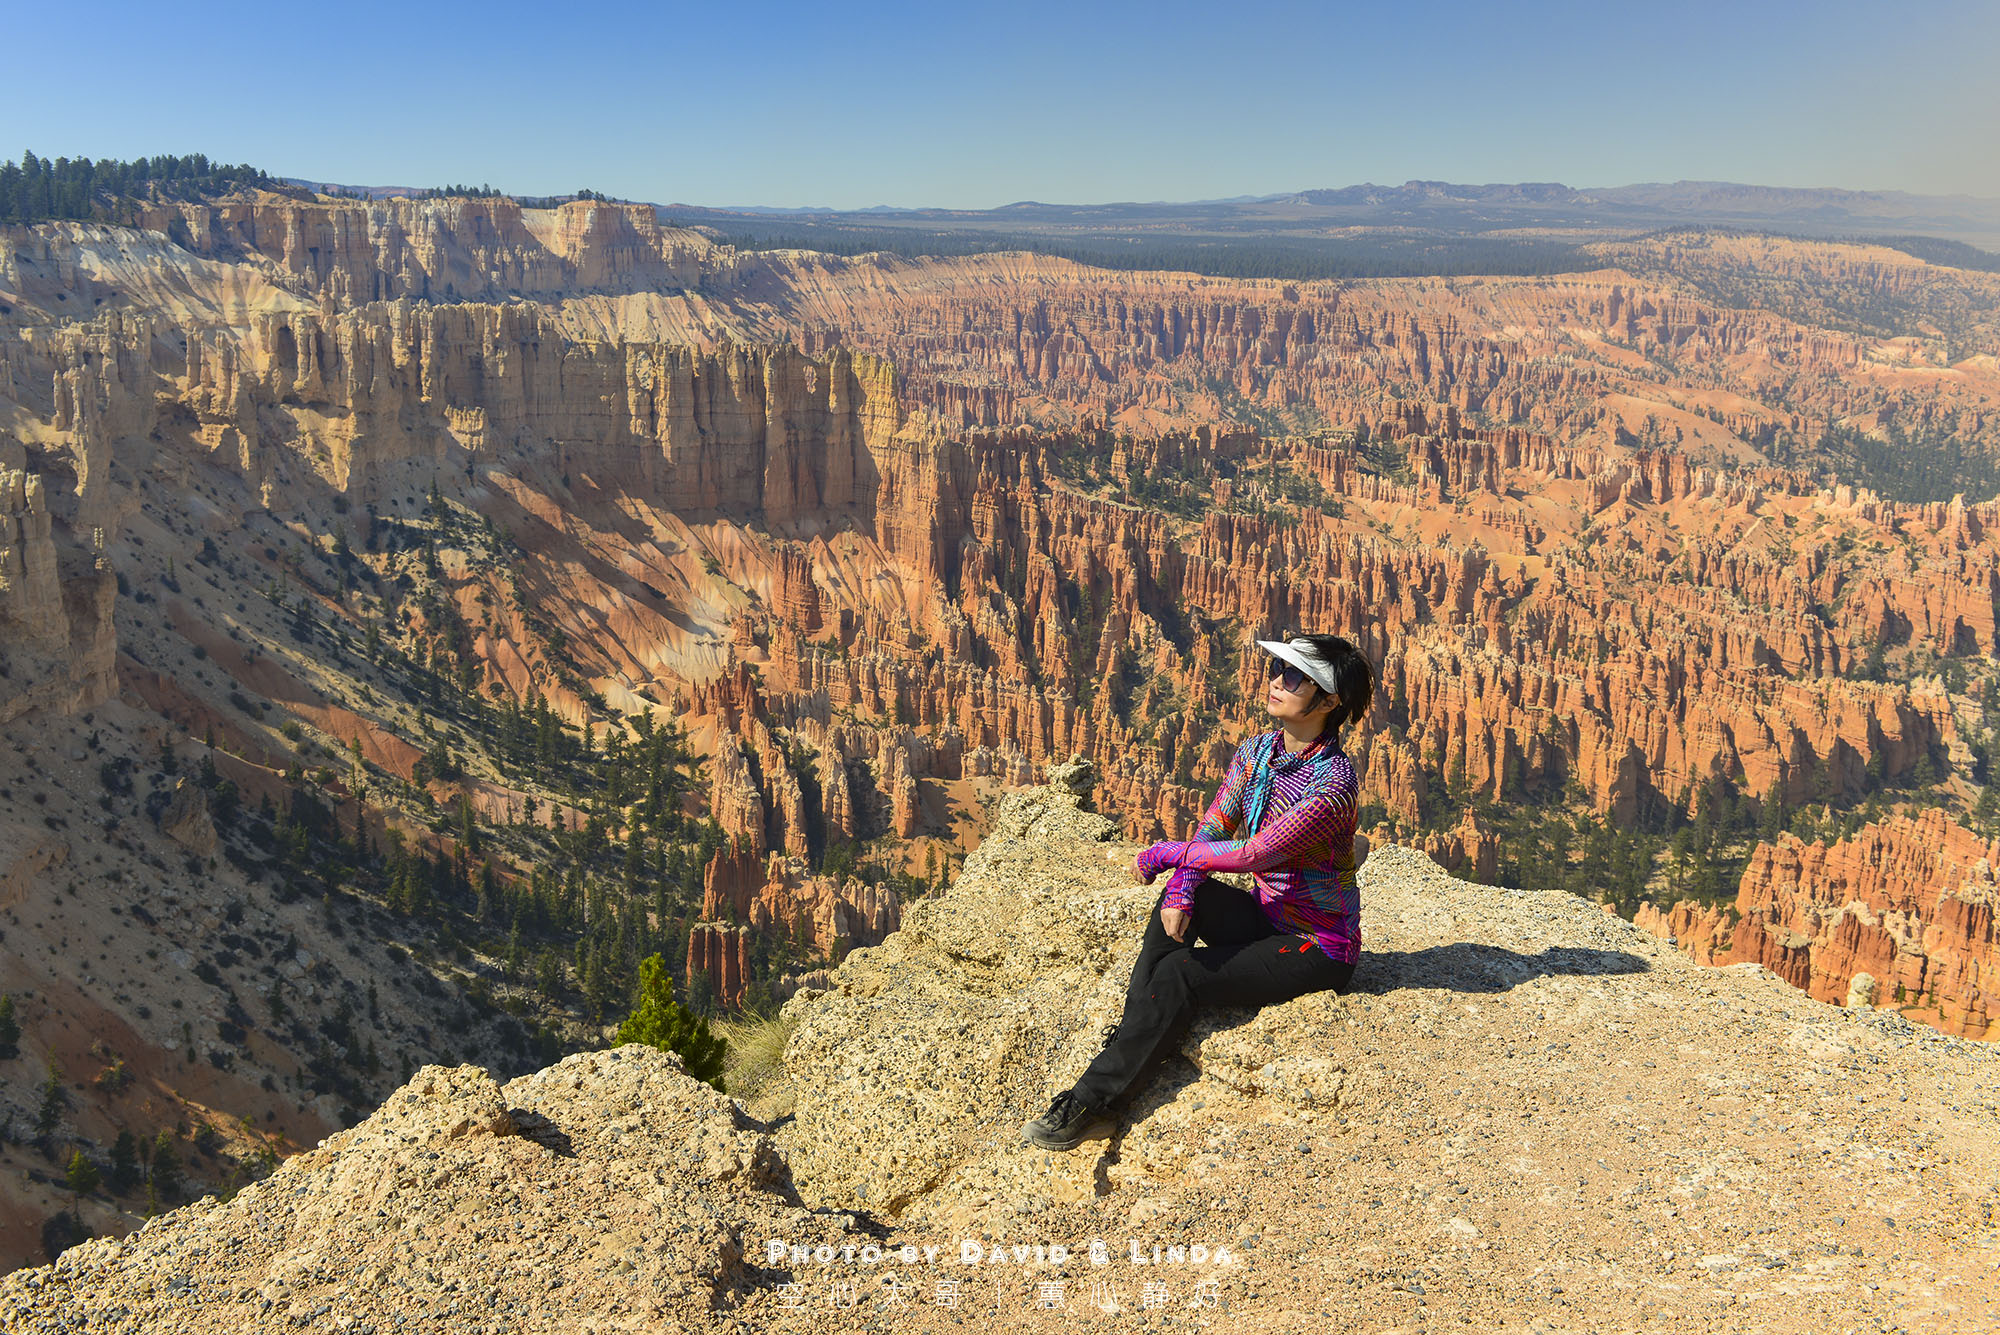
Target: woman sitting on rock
(1285, 813)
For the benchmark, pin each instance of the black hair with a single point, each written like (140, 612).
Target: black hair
(1352, 673)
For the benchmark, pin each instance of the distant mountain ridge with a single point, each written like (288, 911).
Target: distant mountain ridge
(1683, 195)
(1439, 206)
(1450, 208)
(1675, 194)
(1367, 193)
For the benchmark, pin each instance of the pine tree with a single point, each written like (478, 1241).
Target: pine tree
(10, 1029)
(124, 1162)
(54, 1098)
(166, 1175)
(1986, 809)
(660, 1021)
(81, 1177)
(468, 824)
(485, 908)
(549, 975)
(1771, 819)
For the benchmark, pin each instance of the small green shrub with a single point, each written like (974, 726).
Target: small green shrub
(662, 1022)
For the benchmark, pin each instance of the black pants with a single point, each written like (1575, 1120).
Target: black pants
(1243, 961)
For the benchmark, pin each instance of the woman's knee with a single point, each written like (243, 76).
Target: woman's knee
(1178, 977)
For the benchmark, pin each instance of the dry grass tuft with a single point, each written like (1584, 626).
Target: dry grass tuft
(755, 1066)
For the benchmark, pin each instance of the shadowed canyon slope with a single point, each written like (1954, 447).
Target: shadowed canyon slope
(1526, 1116)
(379, 527)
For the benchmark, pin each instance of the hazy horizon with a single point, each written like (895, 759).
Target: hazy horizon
(917, 108)
(1158, 200)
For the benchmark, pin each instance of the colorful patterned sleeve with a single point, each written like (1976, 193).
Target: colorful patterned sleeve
(1303, 834)
(1224, 815)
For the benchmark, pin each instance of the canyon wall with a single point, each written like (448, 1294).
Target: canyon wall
(352, 252)
(362, 395)
(1908, 902)
(889, 533)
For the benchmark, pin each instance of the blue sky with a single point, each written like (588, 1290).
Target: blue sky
(850, 105)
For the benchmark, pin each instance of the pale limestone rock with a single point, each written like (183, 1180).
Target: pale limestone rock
(609, 1192)
(1075, 775)
(30, 593)
(1490, 1068)
(186, 820)
(1059, 811)
(921, 1039)
(1861, 991)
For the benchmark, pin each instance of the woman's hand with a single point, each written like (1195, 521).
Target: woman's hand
(1360, 852)
(1175, 921)
(1151, 861)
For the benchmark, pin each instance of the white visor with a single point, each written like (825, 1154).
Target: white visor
(1305, 660)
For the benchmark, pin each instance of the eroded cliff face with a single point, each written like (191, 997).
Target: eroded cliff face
(937, 598)
(1446, 1120)
(1000, 339)
(352, 252)
(1908, 903)
(56, 599)
(763, 434)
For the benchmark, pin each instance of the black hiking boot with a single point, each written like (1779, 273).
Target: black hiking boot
(1067, 1124)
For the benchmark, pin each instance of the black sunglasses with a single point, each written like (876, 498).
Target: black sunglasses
(1287, 676)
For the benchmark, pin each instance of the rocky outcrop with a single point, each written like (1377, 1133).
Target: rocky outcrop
(1906, 903)
(899, 565)
(721, 954)
(1469, 849)
(57, 642)
(30, 591)
(734, 799)
(755, 432)
(886, 534)
(612, 1190)
(186, 821)
(993, 340)
(776, 893)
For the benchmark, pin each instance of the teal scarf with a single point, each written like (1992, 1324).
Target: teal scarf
(1269, 757)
